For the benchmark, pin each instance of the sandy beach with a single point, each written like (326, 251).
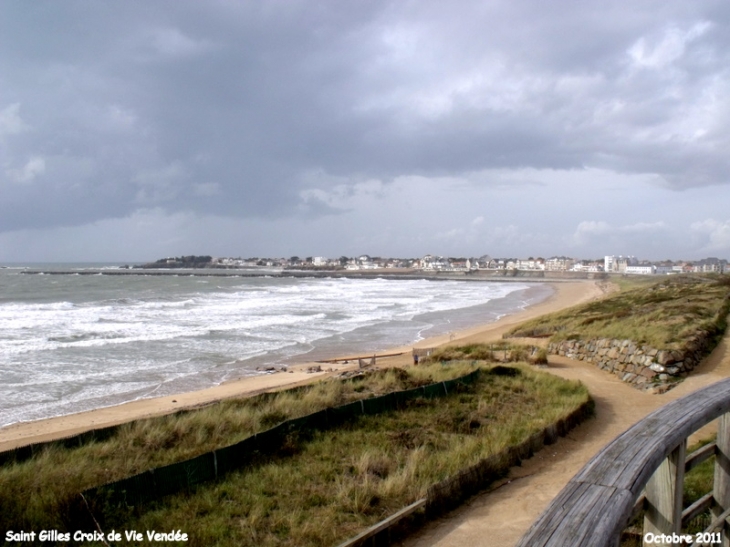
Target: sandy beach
(566, 294)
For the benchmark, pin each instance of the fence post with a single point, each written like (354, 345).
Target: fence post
(664, 496)
(721, 487)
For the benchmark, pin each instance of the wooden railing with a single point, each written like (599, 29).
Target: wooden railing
(643, 469)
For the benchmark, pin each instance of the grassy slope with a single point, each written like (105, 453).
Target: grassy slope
(332, 485)
(34, 493)
(322, 489)
(664, 315)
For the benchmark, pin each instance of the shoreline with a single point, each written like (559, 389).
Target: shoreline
(566, 294)
(539, 276)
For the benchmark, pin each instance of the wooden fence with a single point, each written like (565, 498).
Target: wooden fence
(643, 469)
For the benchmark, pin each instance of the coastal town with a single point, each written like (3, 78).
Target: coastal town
(629, 265)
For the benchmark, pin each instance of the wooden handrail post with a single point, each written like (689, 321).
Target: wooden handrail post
(597, 503)
(721, 487)
(664, 496)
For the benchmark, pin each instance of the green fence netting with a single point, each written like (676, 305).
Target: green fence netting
(182, 476)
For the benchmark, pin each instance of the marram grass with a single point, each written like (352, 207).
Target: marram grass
(331, 485)
(34, 493)
(664, 315)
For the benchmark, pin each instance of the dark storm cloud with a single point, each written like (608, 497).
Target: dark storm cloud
(224, 107)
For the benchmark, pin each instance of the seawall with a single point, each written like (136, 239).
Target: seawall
(644, 367)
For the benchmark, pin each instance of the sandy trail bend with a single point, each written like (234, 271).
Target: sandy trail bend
(503, 515)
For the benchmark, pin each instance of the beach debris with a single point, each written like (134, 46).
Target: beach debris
(266, 369)
(363, 364)
(314, 369)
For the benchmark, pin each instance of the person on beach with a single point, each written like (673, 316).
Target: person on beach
(415, 358)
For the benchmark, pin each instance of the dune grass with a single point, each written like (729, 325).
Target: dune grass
(35, 493)
(664, 315)
(328, 486)
(500, 351)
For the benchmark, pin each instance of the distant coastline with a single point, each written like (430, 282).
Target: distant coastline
(390, 273)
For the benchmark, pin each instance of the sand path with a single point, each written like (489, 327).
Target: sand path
(502, 515)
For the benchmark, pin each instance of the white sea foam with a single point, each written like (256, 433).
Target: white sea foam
(69, 343)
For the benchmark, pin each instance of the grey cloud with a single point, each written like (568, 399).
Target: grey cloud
(222, 108)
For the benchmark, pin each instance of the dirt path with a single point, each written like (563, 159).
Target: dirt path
(501, 516)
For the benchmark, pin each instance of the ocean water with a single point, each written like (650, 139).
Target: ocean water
(70, 343)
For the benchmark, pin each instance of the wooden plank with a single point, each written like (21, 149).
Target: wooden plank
(582, 527)
(629, 460)
(361, 357)
(584, 510)
(716, 524)
(538, 535)
(697, 508)
(383, 524)
(664, 496)
(721, 487)
(700, 455)
(620, 471)
(609, 524)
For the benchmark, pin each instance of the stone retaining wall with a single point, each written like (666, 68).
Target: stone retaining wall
(642, 366)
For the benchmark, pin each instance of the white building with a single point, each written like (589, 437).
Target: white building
(559, 264)
(665, 270)
(618, 263)
(640, 270)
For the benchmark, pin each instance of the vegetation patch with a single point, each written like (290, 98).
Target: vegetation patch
(666, 314)
(337, 483)
(37, 493)
(327, 485)
(497, 352)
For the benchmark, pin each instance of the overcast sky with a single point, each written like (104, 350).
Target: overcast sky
(132, 130)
